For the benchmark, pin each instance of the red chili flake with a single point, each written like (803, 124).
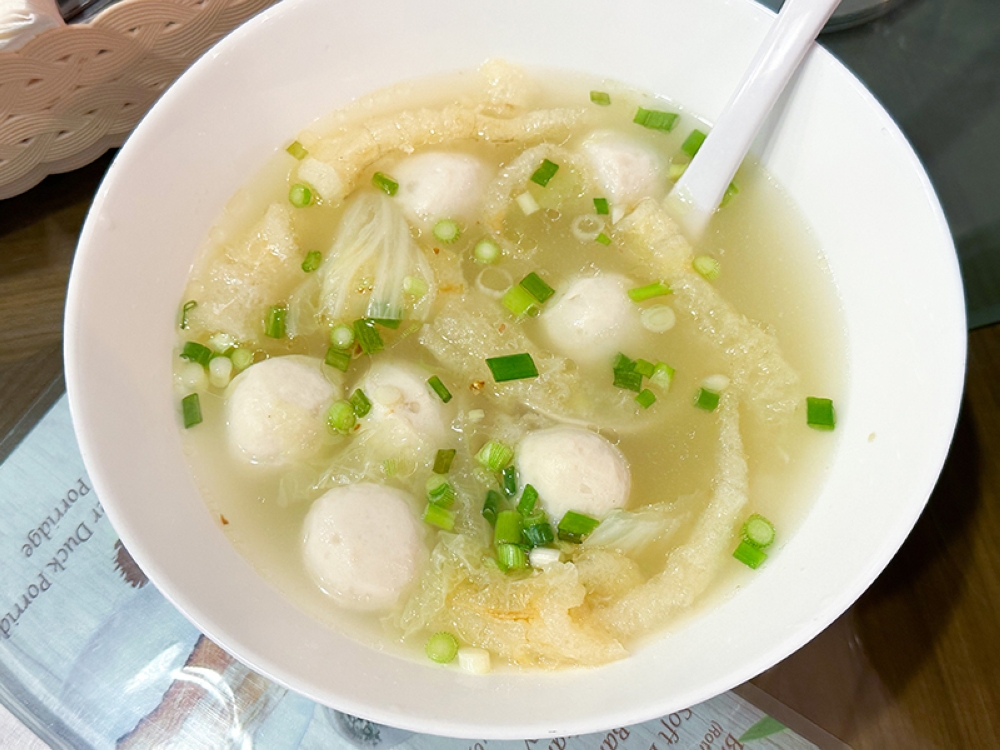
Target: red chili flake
(477, 385)
(225, 521)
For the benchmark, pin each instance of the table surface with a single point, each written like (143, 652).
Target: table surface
(916, 661)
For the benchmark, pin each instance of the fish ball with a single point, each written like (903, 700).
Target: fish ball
(363, 545)
(573, 469)
(276, 410)
(435, 185)
(626, 168)
(593, 319)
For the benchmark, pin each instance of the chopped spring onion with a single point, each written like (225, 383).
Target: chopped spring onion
(707, 266)
(385, 183)
(368, 337)
(600, 98)
(512, 367)
(486, 251)
(662, 377)
(495, 455)
(392, 323)
(717, 382)
(511, 557)
(528, 498)
(242, 358)
(508, 481)
(192, 377)
(443, 459)
(643, 293)
(312, 260)
(601, 206)
(442, 648)
(536, 287)
(656, 119)
(476, 415)
(603, 239)
(274, 323)
(220, 371)
(447, 230)
(658, 318)
(440, 516)
(545, 173)
(474, 660)
(340, 417)
(586, 227)
(439, 388)
(750, 555)
(644, 367)
(339, 358)
(390, 467)
(758, 531)
(693, 142)
(414, 286)
(537, 530)
(527, 203)
(508, 528)
(625, 375)
(575, 526)
(730, 193)
(541, 557)
(440, 492)
(360, 403)
(520, 301)
(221, 342)
(646, 398)
(300, 195)
(188, 307)
(196, 352)
(491, 506)
(820, 413)
(706, 399)
(676, 171)
(191, 409)
(297, 150)
(342, 336)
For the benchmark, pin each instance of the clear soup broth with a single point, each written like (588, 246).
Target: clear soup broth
(659, 390)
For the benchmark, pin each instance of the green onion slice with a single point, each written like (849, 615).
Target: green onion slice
(758, 531)
(312, 260)
(368, 337)
(385, 183)
(730, 193)
(545, 173)
(300, 195)
(600, 98)
(491, 506)
(191, 410)
(707, 266)
(511, 557)
(188, 307)
(574, 527)
(360, 403)
(646, 398)
(442, 648)
(242, 358)
(414, 286)
(274, 323)
(440, 492)
(706, 399)
(342, 336)
(649, 291)
(495, 455)
(663, 376)
(508, 528)
(439, 388)
(447, 231)
(486, 251)
(537, 288)
(601, 207)
(196, 352)
(340, 417)
(520, 301)
(644, 367)
(656, 119)
(625, 374)
(693, 142)
(749, 554)
(512, 367)
(529, 496)
(538, 531)
(297, 150)
(508, 481)
(443, 460)
(603, 239)
(440, 516)
(339, 358)
(820, 414)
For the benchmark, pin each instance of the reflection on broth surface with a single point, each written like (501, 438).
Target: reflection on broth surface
(459, 372)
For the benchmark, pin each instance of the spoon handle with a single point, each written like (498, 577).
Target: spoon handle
(697, 194)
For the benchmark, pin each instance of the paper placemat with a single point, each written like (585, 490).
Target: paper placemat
(92, 656)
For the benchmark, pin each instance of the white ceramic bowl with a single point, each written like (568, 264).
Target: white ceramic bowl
(831, 145)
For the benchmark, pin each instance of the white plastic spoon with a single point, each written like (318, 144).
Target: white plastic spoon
(698, 192)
